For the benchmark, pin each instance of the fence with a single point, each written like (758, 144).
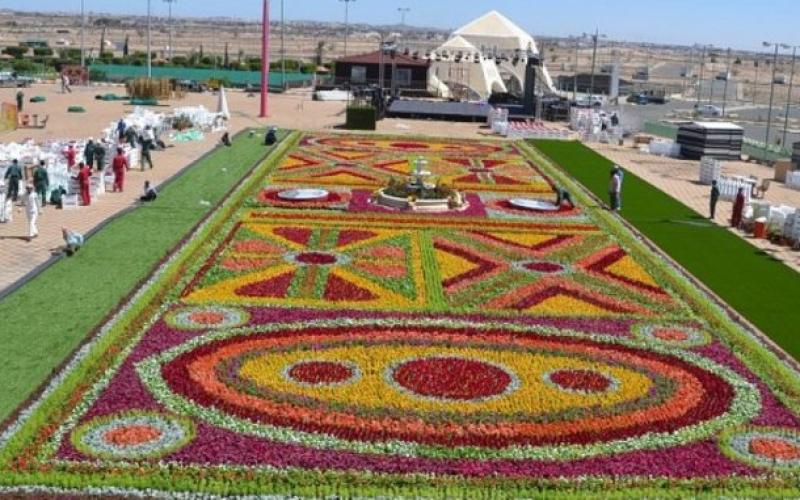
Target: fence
(751, 148)
(239, 78)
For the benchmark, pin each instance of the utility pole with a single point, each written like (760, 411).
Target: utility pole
(171, 50)
(577, 56)
(771, 92)
(702, 75)
(346, 22)
(265, 62)
(403, 11)
(595, 38)
(83, 34)
(149, 39)
(755, 82)
(727, 78)
(283, 46)
(789, 97)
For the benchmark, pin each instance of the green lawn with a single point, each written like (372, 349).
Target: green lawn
(763, 290)
(47, 318)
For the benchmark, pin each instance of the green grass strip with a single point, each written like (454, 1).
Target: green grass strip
(759, 287)
(47, 318)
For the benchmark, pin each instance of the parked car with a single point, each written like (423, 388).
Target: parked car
(12, 80)
(709, 110)
(592, 101)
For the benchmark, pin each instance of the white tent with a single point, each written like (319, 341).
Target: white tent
(460, 67)
(495, 41)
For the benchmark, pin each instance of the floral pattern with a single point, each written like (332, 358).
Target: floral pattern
(330, 348)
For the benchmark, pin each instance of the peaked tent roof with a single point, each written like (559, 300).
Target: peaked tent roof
(494, 25)
(458, 42)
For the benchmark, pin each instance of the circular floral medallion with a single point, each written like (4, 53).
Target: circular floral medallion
(453, 379)
(207, 318)
(322, 373)
(766, 447)
(673, 335)
(581, 381)
(448, 392)
(133, 436)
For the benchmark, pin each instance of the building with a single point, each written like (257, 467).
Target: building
(487, 56)
(408, 74)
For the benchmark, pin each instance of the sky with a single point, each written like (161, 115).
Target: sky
(740, 24)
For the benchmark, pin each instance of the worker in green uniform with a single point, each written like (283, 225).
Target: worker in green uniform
(100, 156)
(20, 100)
(41, 182)
(13, 177)
(88, 153)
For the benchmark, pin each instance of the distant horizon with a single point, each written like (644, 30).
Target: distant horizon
(720, 23)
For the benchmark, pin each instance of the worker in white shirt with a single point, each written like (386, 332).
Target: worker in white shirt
(32, 210)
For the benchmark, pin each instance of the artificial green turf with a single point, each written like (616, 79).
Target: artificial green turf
(760, 288)
(47, 318)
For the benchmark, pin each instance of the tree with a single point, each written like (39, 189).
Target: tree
(126, 47)
(16, 52)
(226, 61)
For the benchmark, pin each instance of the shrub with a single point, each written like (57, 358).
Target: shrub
(16, 52)
(361, 118)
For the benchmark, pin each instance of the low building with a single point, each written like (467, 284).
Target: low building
(408, 73)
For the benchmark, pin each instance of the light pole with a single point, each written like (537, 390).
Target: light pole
(577, 56)
(149, 39)
(171, 51)
(265, 62)
(403, 11)
(702, 75)
(727, 78)
(346, 22)
(595, 38)
(778, 46)
(283, 46)
(789, 97)
(83, 34)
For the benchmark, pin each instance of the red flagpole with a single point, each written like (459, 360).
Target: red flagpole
(265, 63)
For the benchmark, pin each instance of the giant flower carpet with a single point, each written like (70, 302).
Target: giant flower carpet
(338, 348)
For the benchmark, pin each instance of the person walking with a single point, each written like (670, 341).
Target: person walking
(120, 166)
(32, 210)
(130, 136)
(13, 178)
(121, 128)
(71, 156)
(88, 153)
(41, 182)
(84, 179)
(147, 146)
(20, 100)
(100, 156)
(738, 209)
(65, 84)
(615, 190)
(715, 194)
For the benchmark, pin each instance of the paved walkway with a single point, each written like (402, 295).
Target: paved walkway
(679, 179)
